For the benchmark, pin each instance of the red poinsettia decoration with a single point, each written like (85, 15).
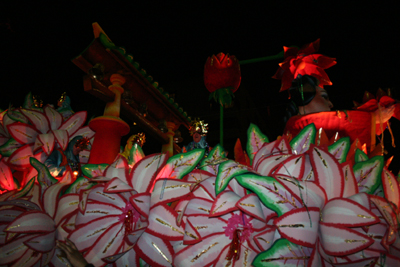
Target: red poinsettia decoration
(303, 61)
(222, 77)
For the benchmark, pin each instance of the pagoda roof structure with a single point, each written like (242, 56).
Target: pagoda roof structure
(143, 101)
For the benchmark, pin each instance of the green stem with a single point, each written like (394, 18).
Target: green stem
(221, 125)
(254, 60)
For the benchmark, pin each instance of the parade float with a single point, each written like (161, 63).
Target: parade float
(300, 200)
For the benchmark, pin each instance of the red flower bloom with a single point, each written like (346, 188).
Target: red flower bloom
(303, 61)
(222, 71)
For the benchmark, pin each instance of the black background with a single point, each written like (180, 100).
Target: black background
(172, 40)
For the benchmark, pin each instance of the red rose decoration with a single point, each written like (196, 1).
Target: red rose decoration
(222, 71)
(303, 61)
(222, 77)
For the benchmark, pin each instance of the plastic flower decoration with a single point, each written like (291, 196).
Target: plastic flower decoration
(222, 77)
(303, 61)
(114, 214)
(118, 223)
(218, 229)
(33, 218)
(328, 210)
(7, 182)
(32, 133)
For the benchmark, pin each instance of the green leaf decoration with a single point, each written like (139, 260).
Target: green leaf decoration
(368, 174)
(44, 177)
(24, 190)
(379, 191)
(28, 102)
(135, 154)
(16, 182)
(223, 96)
(9, 147)
(226, 171)
(16, 115)
(181, 164)
(301, 142)
(340, 149)
(283, 253)
(360, 156)
(255, 140)
(271, 193)
(81, 183)
(93, 170)
(142, 263)
(215, 157)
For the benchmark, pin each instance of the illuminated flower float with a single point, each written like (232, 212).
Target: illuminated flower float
(297, 204)
(325, 204)
(295, 201)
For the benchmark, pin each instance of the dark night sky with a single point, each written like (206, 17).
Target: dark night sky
(172, 42)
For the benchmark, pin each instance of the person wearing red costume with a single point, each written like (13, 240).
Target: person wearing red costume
(303, 75)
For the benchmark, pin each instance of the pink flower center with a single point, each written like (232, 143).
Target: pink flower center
(129, 216)
(239, 224)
